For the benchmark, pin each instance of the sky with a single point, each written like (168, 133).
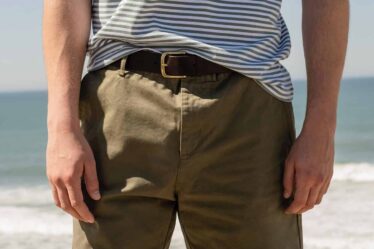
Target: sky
(21, 60)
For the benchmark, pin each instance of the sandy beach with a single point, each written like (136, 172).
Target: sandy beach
(344, 220)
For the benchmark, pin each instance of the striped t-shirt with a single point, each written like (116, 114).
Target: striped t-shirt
(247, 36)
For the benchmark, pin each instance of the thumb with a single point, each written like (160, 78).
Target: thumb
(288, 178)
(90, 178)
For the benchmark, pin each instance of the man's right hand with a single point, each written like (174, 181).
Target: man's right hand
(66, 32)
(68, 158)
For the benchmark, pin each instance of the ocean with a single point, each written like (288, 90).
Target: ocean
(344, 220)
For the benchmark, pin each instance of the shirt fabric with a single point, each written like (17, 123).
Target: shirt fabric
(247, 36)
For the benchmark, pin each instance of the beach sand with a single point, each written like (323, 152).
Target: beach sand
(344, 220)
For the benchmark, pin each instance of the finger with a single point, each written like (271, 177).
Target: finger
(323, 189)
(320, 196)
(327, 185)
(90, 178)
(77, 202)
(288, 179)
(65, 203)
(55, 196)
(301, 196)
(312, 199)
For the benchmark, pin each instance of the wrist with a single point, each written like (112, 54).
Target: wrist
(63, 115)
(63, 127)
(61, 123)
(320, 125)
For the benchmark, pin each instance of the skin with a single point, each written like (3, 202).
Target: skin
(309, 165)
(69, 158)
(66, 29)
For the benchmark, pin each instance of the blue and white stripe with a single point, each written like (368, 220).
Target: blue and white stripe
(248, 36)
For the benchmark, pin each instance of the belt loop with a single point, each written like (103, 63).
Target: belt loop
(122, 70)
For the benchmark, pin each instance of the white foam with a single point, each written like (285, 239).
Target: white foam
(26, 195)
(30, 209)
(356, 172)
(16, 220)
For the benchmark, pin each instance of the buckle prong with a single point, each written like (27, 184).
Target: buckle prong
(163, 64)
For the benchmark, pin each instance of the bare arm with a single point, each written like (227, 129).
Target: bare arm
(309, 166)
(66, 29)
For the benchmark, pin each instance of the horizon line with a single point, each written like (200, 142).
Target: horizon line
(26, 90)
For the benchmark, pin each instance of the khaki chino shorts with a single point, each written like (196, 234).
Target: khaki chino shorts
(210, 149)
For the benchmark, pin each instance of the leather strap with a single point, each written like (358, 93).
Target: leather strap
(177, 64)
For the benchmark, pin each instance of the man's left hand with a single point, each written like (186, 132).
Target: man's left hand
(308, 170)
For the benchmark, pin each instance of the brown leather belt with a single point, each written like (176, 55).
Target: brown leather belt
(171, 64)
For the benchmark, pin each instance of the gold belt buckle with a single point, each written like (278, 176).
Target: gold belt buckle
(164, 65)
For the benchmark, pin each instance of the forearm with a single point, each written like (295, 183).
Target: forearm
(66, 28)
(325, 35)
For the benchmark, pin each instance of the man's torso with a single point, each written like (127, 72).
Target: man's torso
(248, 36)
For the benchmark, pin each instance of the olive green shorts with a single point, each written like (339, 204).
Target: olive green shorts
(209, 148)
